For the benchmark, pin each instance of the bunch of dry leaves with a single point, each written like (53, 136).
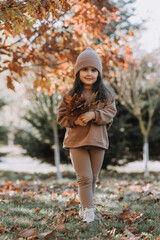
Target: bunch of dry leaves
(75, 106)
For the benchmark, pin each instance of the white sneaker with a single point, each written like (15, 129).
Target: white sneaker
(88, 215)
(80, 211)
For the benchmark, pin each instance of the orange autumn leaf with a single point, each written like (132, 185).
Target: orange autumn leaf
(128, 50)
(1, 229)
(131, 34)
(73, 185)
(37, 210)
(115, 16)
(66, 193)
(30, 194)
(10, 83)
(23, 182)
(72, 202)
(6, 33)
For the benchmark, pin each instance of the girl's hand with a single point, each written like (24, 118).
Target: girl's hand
(80, 122)
(88, 116)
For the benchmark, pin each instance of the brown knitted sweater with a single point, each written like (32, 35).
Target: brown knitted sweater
(95, 133)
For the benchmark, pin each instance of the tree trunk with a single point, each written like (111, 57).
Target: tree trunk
(10, 139)
(146, 155)
(56, 148)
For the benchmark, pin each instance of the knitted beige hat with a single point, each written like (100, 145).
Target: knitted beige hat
(88, 58)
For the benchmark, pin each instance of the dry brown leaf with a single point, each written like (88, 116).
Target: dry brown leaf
(67, 98)
(60, 226)
(130, 235)
(84, 225)
(47, 234)
(63, 215)
(70, 208)
(112, 232)
(125, 214)
(26, 233)
(1, 229)
(13, 228)
(45, 219)
(105, 215)
(120, 198)
(133, 227)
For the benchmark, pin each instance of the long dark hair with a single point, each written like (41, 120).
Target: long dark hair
(103, 92)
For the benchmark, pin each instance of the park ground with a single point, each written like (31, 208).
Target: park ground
(35, 205)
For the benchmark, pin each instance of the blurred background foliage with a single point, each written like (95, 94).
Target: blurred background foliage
(125, 137)
(26, 121)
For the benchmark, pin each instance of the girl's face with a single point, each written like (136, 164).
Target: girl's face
(88, 76)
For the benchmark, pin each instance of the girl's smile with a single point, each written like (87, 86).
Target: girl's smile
(88, 76)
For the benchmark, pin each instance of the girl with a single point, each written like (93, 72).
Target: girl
(86, 137)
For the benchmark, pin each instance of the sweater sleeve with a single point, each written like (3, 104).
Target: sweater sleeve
(106, 115)
(61, 116)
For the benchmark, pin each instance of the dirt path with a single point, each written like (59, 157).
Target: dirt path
(15, 161)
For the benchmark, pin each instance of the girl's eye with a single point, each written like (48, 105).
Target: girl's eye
(94, 70)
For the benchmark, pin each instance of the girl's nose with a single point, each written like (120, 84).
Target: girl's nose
(89, 72)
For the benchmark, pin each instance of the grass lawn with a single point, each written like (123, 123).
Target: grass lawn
(37, 206)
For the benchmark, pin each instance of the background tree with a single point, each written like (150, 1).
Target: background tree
(138, 90)
(3, 130)
(52, 46)
(40, 136)
(16, 15)
(122, 135)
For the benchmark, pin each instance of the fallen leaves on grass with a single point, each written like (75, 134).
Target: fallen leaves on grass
(32, 234)
(130, 217)
(29, 198)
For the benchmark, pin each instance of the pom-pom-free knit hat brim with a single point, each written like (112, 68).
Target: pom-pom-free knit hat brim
(88, 58)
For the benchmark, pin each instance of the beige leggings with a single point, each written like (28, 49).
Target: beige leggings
(87, 164)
